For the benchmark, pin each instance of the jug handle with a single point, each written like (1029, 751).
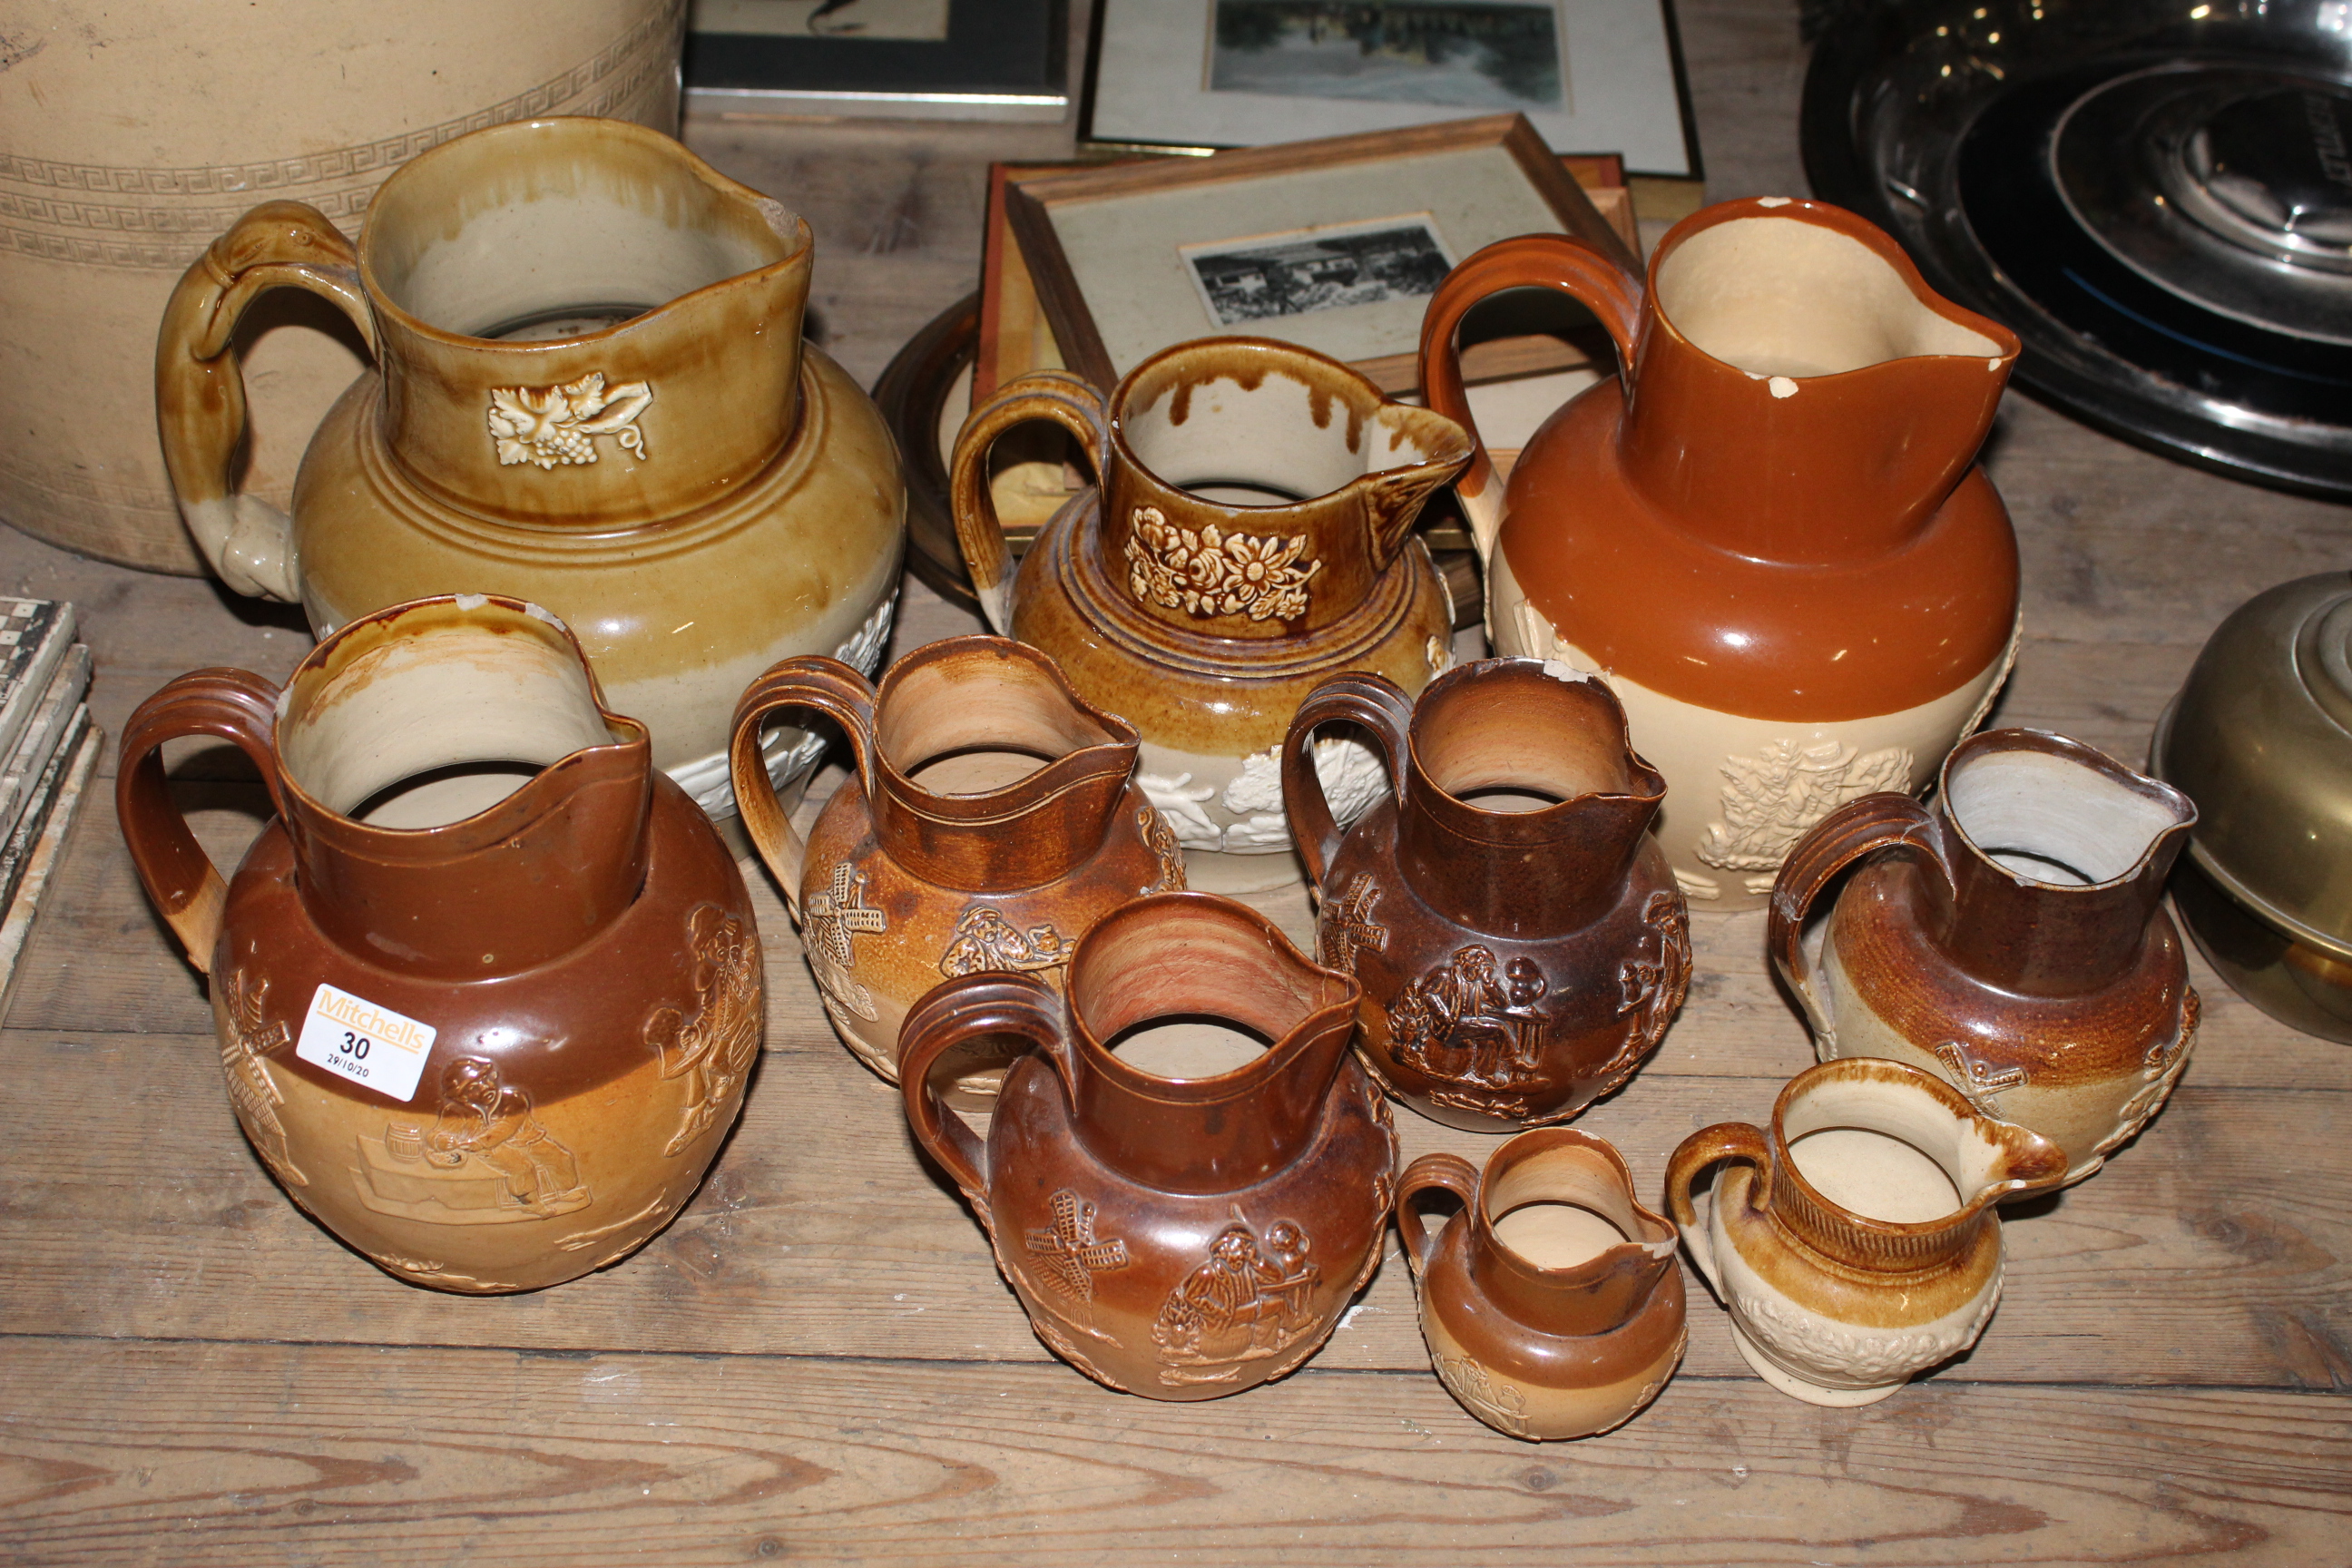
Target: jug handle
(1453, 1173)
(1582, 271)
(1859, 828)
(185, 887)
(1724, 1141)
(834, 690)
(1378, 704)
(945, 1016)
(1053, 395)
(200, 386)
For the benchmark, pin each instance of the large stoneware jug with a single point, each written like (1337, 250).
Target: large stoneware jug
(487, 988)
(589, 391)
(1768, 534)
(993, 819)
(2010, 939)
(1251, 534)
(1521, 944)
(121, 157)
(1189, 1175)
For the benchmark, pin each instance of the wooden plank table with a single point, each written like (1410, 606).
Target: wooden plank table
(817, 1362)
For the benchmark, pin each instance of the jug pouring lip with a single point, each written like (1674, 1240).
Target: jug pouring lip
(2160, 798)
(630, 746)
(1645, 785)
(1650, 1239)
(792, 233)
(1824, 214)
(1327, 999)
(1448, 449)
(1114, 751)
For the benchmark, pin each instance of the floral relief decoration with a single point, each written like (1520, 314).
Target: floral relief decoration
(550, 425)
(1212, 573)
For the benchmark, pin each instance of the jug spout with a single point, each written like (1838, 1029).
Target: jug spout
(1799, 387)
(400, 748)
(1193, 955)
(1560, 1242)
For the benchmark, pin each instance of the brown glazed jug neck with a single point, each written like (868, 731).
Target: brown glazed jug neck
(1191, 954)
(1254, 490)
(1033, 831)
(1508, 724)
(1602, 1293)
(1866, 1247)
(643, 359)
(1757, 420)
(523, 882)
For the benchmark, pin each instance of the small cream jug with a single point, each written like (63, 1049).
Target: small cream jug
(591, 392)
(1853, 1242)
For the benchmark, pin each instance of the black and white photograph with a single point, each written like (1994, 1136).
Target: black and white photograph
(1473, 55)
(1307, 271)
(923, 19)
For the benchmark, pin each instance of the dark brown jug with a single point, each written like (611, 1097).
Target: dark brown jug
(490, 1032)
(993, 819)
(1174, 1230)
(2010, 938)
(1520, 940)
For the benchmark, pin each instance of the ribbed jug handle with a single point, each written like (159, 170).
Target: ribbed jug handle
(1582, 271)
(945, 1016)
(1859, 828)
(200, 384)
(813, 680)
(185, 887)
(1453, 1173)
(1378, 704)
(1053, 395)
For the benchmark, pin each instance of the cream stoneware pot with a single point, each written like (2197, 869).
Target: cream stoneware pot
(1853, 1242)
(1768, 534)
(121, 157)
(589, 391)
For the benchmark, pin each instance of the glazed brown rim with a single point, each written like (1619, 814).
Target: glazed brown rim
(1624, 736)
(1483, 1223)
(2049, 742)
(1837, 219)
(801, 245)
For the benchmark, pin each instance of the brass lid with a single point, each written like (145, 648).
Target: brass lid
(2261, 737)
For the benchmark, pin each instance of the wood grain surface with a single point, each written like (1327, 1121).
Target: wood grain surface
(818, 1362)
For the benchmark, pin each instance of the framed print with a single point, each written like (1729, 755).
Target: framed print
(1333, 245)
(926, 59)
(1591, 76)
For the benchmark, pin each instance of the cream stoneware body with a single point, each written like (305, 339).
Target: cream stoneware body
(1853, 1242)
(487, 988)
(124, 158)
(1250, 535)
(993, 820)
(627, 428)
(1552, 1304)
(1767, 534)
(2010, 939)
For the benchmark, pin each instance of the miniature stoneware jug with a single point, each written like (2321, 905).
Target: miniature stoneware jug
(589, 391)
(487, 986)
(1551, 1303)
(1521, 944)
(1854, 1242)
(1251, 534)
(2010, 939)
(993, 820)
(1768, 532)
(1189, 1176)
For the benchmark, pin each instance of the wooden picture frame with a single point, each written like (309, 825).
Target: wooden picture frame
(1520, 180)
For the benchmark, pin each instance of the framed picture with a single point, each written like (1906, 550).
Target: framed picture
(1333, 245)
(925, 59)
(1591, 76)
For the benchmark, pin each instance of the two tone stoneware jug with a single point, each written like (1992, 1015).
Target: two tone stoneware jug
(1768, 534)
(488, 987)
(1551, 1303)
(993, 819)
(1250, 534)
(2010, 938)
(1853, 1242)
(589, 391)
(1189, 1176)
(1520, 940)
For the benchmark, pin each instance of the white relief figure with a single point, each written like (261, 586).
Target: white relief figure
(1179, 801)
(550, 427)
(1772, 800)
(1352, 776)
